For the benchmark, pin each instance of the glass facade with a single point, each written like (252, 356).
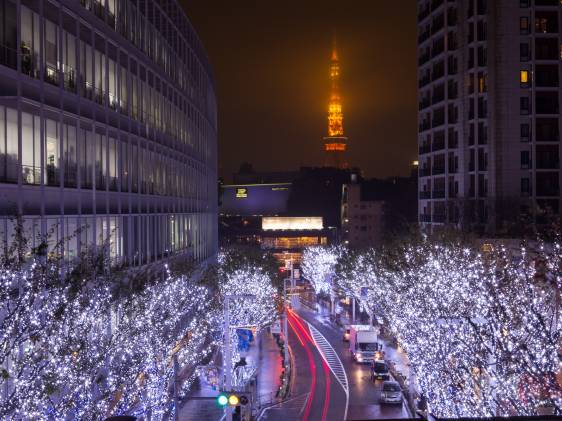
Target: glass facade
(107, 127)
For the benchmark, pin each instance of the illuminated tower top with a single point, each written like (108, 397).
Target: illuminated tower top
(335, 144)
(335, 115)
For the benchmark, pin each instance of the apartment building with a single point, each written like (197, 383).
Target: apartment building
(489, 112)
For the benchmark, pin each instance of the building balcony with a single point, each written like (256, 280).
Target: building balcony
(439, 218)
(424, 172)
(425, 194)
(438, 145)
(424, 149)
(438, 170)
(438, 194)
(425, 218)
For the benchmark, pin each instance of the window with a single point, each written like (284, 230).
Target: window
(482, 82)
(30, 149)
(52, 152)
(524, 52)
(525, 132)
(51, 52)
(525, 160)
(524, 25)
(70, 166)
(482, 57)
(29, 42)
(525, 186)
(524, 78)
(524, 105)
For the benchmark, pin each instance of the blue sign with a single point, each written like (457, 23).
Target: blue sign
(245, 337)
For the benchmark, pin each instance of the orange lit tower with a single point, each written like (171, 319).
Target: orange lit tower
(335, 144)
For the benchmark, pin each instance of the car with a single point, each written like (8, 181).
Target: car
(346, 329)
(379, 370)
(391, 392)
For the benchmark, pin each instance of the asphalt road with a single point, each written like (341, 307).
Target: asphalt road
(316, 394)
(364, 394)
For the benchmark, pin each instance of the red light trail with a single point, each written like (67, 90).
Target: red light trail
(305, 339)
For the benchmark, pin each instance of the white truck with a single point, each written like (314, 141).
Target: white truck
(363, 343)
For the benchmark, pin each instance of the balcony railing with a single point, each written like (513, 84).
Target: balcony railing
(425, 218)
(30, 174)
(438, 194)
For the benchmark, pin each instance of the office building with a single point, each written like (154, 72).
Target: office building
(489, 112)
(108, 128)
(361, 219)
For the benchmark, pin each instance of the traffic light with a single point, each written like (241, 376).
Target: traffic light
(222, 399)
(232, 399)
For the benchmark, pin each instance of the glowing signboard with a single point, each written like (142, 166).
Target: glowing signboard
(303, 223)
(241, 192)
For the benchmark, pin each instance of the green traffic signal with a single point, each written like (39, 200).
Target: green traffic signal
(222, 399)
(231, 399)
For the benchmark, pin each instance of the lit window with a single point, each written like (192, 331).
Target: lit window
(524, 25)
(524, 78)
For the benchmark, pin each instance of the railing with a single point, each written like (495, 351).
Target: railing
(51, 74)
(30, 174)
(440, 218)
(425, 218)
(438, 194)
(52, 174)
(69, 78)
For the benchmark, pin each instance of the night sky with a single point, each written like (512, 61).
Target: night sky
(271, 65)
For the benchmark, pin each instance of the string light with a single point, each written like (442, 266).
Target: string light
(482, 331)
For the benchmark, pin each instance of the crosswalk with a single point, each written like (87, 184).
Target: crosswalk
(332, 359)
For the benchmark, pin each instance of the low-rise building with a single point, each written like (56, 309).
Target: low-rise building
(362, 220)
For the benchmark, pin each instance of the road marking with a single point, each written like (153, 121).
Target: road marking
(296, 403)
(333, 361)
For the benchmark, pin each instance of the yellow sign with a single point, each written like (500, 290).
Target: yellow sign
(241, 192)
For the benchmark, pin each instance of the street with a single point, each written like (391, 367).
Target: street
(333, 387)
(364, 395)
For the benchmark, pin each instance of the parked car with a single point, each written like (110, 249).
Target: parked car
(379, 370)
(346, 329)
(391, 392)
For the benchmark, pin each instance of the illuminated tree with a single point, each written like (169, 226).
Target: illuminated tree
(318, 266)
(482, 330)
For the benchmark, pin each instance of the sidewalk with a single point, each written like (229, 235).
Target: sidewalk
(269, 369)
(201, 409)
(263, 354)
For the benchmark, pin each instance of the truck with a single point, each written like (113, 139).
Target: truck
(363, 343)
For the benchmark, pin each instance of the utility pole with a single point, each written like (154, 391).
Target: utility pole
(176, 383)
(352, 310)
(227, 363)
(293, 284)
(285, 328)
